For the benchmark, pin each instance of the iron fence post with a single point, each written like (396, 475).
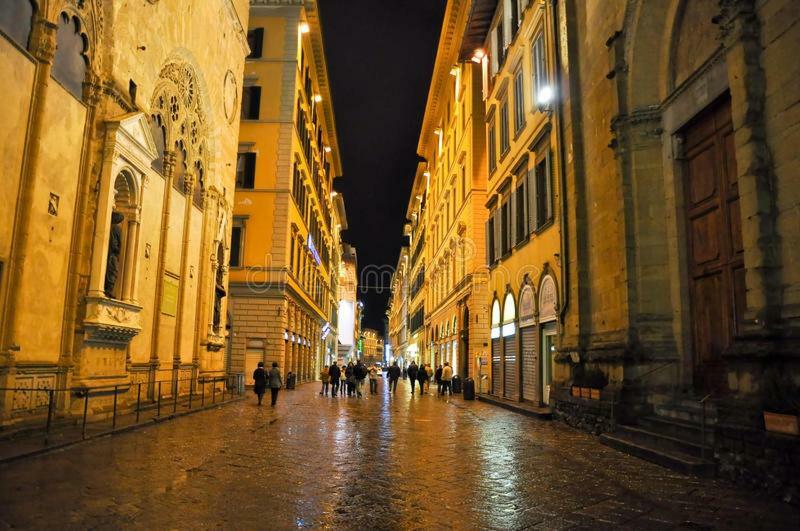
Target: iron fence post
(224, 385)
(49, 415)
(191, 386)
(203, 393)
(114, 418)
(158, 407)
(214, 391)
(85, 412)
(138, 401)
(175, 396)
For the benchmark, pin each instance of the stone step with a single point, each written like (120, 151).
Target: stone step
(688, 411)
(679, 429)
(674, 460)
(663, 442)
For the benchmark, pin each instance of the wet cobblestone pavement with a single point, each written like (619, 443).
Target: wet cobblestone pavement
(383, 462)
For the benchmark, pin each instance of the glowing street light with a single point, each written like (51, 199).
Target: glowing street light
(304, 28)
(544, 98)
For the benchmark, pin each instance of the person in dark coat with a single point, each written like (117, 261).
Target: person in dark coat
(260, 381)
(360, 373)
(412, 375)
(351, 379)
(394, 374)
(438, 379)
(275, 382)
(335, 373)
(422, 377)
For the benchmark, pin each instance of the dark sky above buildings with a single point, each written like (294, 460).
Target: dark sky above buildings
(380, 60)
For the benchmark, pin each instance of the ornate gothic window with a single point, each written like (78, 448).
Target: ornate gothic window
(71, 60)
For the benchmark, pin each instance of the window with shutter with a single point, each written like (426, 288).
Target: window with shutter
(520, 219)
(246, 170)
(497, 234)
(255, 40)
(512, 207)
(251, 103)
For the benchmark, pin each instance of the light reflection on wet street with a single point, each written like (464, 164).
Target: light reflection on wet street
(383, 462)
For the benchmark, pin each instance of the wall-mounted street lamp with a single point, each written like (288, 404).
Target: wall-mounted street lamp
(544, 99)
(317, 98)
(303, 28)
(478, 55)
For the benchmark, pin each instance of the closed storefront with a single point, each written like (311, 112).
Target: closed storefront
(528, 347)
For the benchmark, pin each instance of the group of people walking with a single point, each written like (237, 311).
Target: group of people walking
(423, 374)
(263, 379)
(350, 380)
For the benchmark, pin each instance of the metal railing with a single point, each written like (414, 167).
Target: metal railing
(41, 417)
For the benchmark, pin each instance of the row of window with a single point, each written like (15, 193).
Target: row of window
(419, 281)
(523, 210)
(301, 198)
(304, 268)
(416, 320)
(539, 80)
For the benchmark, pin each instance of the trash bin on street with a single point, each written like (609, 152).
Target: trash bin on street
(290, 381)
(469, 389)
(456, 384)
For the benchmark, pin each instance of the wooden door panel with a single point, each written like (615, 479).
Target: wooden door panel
(702, 176)
(705, 238)
(716, 265)
(735, 229)
(709, 322)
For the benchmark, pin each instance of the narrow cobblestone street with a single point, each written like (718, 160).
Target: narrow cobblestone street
(379, 462)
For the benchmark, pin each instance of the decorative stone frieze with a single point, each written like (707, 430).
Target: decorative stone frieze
(110, 321)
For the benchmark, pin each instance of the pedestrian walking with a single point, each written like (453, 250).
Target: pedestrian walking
(360, 373)
(335, 373)
(325, 376)
(275, 382)
(412, 375)
(393, 374)
(351, 379)
(373, 380)
(447, 379)
(260, 381)
(342, 380)
(422, 378)
(429, 370)
(438, 377)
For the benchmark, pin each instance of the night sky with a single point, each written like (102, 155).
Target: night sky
(380, 61)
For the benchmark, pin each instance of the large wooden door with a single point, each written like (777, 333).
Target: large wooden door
(716, 264)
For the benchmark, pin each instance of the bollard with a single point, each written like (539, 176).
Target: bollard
(158, 407)
(49, 416)
(85, 411)
(138, 401)
(114, 418)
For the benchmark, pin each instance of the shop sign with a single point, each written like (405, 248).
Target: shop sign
(527, 307)
(547, 300)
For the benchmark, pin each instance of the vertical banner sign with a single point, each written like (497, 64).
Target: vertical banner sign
(169, 297)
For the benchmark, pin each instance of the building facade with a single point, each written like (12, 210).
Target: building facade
(372, 350)
(681, 285)
(451, 142)
(349, 311)
(117, 189)
(524, 227)
(397, 310)
(285, 227)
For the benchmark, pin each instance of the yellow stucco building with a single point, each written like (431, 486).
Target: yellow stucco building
(523, 229)
(286, 245)
(117, 190)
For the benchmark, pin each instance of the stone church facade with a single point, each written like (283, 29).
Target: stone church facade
(682, 283)
(118, 170)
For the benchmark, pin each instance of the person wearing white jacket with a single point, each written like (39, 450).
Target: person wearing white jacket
(447, 379)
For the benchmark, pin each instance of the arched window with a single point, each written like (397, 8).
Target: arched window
(159, 133)
(495, 319)
(71, 63)
(509, 316)
(16, 20)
